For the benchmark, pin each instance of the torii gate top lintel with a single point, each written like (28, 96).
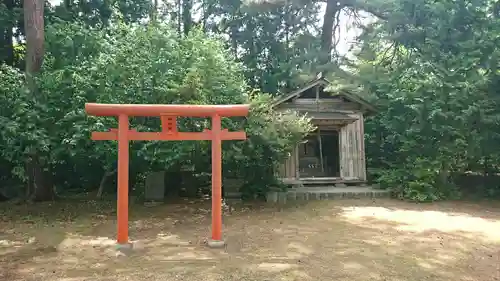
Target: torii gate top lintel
(185, 110)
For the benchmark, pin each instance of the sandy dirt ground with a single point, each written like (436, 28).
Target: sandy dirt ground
(380, 240)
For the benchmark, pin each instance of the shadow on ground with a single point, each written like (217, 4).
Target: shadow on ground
(325, 240)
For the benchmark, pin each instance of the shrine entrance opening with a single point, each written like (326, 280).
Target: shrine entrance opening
(168, 114)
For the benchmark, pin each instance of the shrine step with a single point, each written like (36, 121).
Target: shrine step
(325, 193)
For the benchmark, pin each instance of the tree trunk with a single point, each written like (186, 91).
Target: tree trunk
(34, 28)
(187, 21)
(208, 10)
(102, 184)
(39, 189)
(287, 22)
(154, 11)
(68, 4)
(3, 197)
(332, 8)
(234, 39)
(179, 17)
(7, 48)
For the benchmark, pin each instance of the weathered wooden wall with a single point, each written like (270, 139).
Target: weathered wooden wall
(289, 169)
(334, 104)
(351, 136)
(352, 153)
(352, 150)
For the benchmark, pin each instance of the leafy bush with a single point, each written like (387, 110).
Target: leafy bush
(419, 181)
(137, 64)
(271, 138)
(438, 103)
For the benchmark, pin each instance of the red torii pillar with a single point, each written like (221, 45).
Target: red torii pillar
(168, 114)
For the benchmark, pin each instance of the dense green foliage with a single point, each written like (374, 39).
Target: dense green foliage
(136, 64)
(430, 67)
(434, 71)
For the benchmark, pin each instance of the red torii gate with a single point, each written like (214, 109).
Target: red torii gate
(168, 114)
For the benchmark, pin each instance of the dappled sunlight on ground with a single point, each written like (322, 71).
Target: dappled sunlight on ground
(346, 240)
(420, 221)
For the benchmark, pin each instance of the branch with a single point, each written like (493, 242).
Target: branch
(362, 5)
(384, 53)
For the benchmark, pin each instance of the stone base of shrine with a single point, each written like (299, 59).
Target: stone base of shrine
(325, 193)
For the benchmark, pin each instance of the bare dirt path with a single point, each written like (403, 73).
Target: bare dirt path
(325, 240)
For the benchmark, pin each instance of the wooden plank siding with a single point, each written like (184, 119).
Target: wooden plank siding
(289, 168)
(352, 159)
(342, 113)
(335, 104)
(351, 151)
(362, 148)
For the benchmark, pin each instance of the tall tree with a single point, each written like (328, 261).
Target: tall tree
(38, 187)
(330, 21)
(7, 24)
(187, 20)
(34, 27)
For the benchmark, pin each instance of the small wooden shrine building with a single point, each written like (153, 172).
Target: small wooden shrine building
(335, 151)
